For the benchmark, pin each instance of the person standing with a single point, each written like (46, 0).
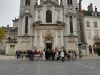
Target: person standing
(53, 54)
(57, 55)
(71, 55)
(18, 54)
(49, 53)
(62, 55)
(43, 56)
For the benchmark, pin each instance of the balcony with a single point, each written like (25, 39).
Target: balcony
(96, 38)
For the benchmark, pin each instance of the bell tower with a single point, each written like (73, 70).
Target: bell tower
(26, 16)
(69, 7)
(26, 19)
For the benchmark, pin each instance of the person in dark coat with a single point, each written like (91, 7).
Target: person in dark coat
(49, 54)
(18, 54)
(28, 52)
(31, 55)
(46, 55)
(53, 54)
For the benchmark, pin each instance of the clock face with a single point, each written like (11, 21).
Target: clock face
(26, 11)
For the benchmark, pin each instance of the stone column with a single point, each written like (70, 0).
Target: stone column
(35, 39)
(41, 39)
(43, 42)
(29, 22)
(54, 45)
(36, 15)
(56, 38)
(62, 44)
(92, 51)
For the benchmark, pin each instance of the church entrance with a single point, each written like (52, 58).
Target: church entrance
(49, 46)
(49, 42)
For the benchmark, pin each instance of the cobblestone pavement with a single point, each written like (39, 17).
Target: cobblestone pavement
(84, 66)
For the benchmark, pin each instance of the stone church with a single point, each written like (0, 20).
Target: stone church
(46, 24)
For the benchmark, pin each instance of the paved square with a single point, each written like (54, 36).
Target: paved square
(84, 66)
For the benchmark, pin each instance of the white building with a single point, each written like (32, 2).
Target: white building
(50, 24)
(92, 29)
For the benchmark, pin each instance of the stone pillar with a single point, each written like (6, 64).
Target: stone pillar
(43, 42)
(62, 38)
(54, 45)
(92, 51)
(35, 39)
(41, 39)
(36, 15)
(56, 38)
(29, 27)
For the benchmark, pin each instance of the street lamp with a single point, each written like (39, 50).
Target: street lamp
(80, 52)
(79, 31)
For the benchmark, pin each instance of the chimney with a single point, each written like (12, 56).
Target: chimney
(88, 8)
(91, 7)
(80, 6)
(15, 18)
(95, 9)
(7, 26)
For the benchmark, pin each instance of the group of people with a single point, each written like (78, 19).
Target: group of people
(47, 55)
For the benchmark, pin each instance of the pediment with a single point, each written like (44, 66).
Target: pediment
(49, 3)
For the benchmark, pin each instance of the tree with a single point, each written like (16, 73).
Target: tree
(2, 34)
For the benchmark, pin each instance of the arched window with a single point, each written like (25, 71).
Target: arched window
(27, 2)
(71, 24)
(48, 16)
(70, 2)
(26, 24)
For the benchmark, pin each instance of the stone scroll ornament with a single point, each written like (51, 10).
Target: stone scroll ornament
(25, 40)
(72, 39)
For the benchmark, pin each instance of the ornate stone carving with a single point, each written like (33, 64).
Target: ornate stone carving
(38, 32)
(49, 27)
(37, 23)
(25, 14)
(71, 14)
(71, 39)
(50, 32)
(60, 23)
(25, 40)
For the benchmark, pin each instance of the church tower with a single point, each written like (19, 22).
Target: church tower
(48, 24)
(25, 28)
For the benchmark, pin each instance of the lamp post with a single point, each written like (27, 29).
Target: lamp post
(80, 52)
(79, 33)
(79, 39)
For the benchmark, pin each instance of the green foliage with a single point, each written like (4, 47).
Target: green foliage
(2, 34)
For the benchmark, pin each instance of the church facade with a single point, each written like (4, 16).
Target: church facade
(47, 24)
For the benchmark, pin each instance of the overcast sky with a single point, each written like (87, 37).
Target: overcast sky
(9, 9)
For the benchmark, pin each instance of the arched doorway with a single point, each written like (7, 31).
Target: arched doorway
(96, 48)
(49, 42)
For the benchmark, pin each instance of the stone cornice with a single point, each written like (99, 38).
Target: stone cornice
(46, 27)
(58, 23)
